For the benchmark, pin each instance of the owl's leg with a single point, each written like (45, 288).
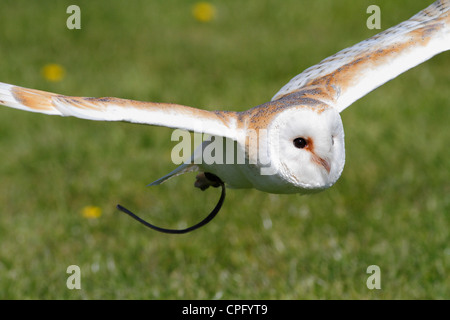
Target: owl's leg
(204, 180)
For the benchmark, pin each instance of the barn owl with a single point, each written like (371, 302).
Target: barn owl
(299, 131)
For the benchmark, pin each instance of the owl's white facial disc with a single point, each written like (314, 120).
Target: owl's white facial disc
(306, 147)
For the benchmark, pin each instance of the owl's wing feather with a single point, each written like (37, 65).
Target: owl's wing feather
(350, 74)
(218, 123)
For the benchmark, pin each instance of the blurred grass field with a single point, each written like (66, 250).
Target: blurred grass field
(390, 207)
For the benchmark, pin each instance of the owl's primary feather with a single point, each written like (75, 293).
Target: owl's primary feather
(350, 74)
(116, 109)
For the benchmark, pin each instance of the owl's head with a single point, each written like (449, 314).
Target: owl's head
(305, 146)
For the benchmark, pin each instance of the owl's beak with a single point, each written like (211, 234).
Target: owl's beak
(321, 162)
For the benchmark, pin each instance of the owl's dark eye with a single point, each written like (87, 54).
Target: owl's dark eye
(300, 143)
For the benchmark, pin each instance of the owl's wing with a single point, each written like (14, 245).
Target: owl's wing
(351, 73)
(220, 123)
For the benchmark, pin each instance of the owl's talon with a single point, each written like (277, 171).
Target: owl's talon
(204, 180)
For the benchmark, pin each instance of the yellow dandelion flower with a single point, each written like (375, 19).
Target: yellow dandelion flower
(53, 72)
(91, 212)
(203, 11)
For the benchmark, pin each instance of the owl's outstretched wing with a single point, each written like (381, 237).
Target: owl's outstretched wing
(220, 123)
(351, 73)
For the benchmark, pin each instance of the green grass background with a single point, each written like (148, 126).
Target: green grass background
(390, 207)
